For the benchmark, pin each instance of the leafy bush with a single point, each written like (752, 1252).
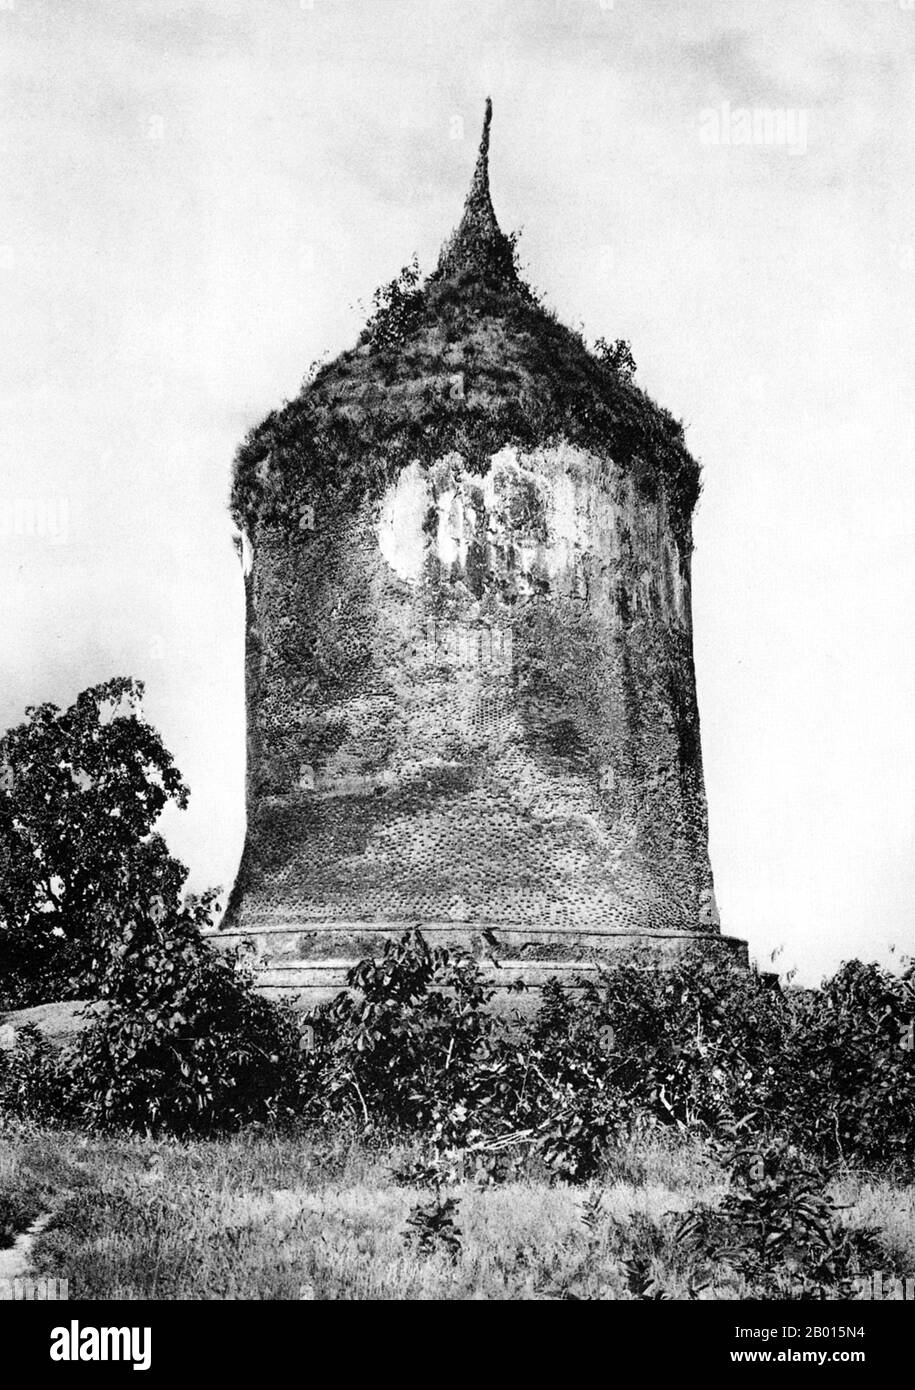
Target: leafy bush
(617, 356)
(691, 1045)
(847, 1072)
(186, 1044)
(431, 1227)
(418, 1050)
(779, 1228)
(35, 1079)
(699, 1045)
(413, 1049)
(396, 309)
(720, 1050)
(39, 966)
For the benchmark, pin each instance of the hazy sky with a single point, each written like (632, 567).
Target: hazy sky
(196, 196)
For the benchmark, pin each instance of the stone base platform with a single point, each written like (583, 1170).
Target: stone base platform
(305, 963)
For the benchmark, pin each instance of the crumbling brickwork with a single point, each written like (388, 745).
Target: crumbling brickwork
(470, 687)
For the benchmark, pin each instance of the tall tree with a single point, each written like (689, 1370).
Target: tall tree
(80, 792)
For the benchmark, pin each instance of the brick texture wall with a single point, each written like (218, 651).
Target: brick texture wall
(472, 702)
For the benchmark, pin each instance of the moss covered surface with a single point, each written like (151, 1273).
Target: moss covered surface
(469, 361)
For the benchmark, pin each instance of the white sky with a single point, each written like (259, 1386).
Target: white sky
(197, 195)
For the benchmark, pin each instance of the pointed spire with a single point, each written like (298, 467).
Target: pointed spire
(479, 189)
(479, 241)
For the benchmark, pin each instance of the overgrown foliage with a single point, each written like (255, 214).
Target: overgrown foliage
(91, 901)
(776, 1234)
(17, 1211)
(699, 1046)
(186, 1044)
(396, 309)
(467, 361)
(431, 1226)
(417, 1048)
(617, 356)
(80, 792)
(779, 1229)
(183, 1044)
(846, 1079)
(36, 1081)
(412, 1049)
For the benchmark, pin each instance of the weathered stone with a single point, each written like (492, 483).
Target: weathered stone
(471, 701)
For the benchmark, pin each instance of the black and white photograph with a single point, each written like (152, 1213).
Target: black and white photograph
(457, 595)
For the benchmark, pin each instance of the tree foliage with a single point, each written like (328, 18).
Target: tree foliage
(80, 792)
(185, 1043)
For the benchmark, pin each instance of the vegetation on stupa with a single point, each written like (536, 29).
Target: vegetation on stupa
(468, 360)
(467, 363)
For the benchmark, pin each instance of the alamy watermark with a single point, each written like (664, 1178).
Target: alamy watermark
(472, 645)
(881, 1288)
(35, 518)
(80, 1343)
(766, 127)
(33, 1290)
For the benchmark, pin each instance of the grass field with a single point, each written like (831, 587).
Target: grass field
(319, 1217)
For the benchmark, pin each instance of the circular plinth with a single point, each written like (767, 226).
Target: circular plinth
(306, 964)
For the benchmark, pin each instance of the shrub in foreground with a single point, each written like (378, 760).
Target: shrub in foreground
(846, 1075)
(36, 1082)
(184, 1044)
(419, 1050)
(187, 1045)
(779, 1229)
(705, 1047)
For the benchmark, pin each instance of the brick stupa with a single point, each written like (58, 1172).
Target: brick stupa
(471, 700)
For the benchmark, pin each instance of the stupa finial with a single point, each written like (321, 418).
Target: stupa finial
(479, 241)
(480, 183)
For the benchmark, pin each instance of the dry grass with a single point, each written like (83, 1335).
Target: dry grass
(267, 1217)
(887, 1205)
